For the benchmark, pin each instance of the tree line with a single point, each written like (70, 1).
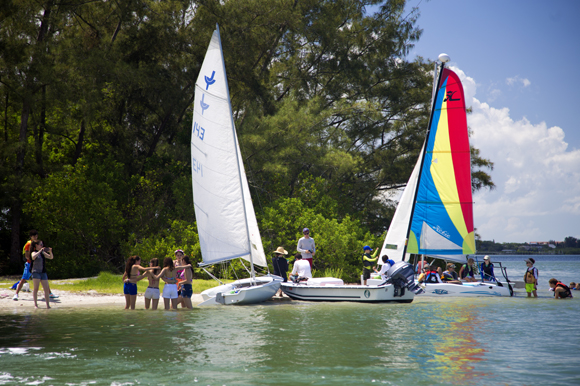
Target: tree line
(96, 109)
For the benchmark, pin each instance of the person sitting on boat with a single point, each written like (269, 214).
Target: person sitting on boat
(450, 276)
(430, 275)
(531, 278)
(368, 261)
(467, 271)
(387, 264)
(301, 270)
(561, 290)
(487, 270)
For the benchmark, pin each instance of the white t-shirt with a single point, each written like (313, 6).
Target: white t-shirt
(383, 271)
(302, 268)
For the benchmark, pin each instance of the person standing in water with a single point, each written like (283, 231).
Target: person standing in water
(130, 278)
(531, 278)
(169, 276)
(306, 246)
(152, 293)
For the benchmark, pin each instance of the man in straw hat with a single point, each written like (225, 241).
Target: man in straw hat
(280, 265)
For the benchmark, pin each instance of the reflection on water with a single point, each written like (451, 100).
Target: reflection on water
(427, 342)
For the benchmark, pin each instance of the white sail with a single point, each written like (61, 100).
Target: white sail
(394, 245)
(225, 216)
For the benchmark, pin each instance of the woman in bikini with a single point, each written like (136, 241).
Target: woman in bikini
(152, 292)
(131, 277)
(169, 276)
(39, 255)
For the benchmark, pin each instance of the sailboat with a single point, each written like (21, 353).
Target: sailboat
(226, 221)
(434, 216)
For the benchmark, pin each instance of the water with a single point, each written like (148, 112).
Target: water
(515, 341)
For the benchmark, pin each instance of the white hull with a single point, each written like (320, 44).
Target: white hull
(464, 290)
(245, 291)
(346, 293)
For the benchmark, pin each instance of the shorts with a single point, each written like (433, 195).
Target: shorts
(152, 293)
(26, 275)
(530, 287)
(41, 276)
(170, 291)
(366, 274)
(187, 291)
(130, 289)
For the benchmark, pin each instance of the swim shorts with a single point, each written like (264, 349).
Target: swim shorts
(187, 291)
(152, 293)
(41, 276)
(530, 287)
(130, 289)
(366, 274)
(170, 291)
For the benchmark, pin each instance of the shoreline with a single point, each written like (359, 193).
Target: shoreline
(68, 300)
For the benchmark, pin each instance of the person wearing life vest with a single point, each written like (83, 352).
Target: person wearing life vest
(531, 278)
(387, 264)
(561, 290)
(487, 270)
(467, 271)
(368, 261)
(430, 275)
(450, 276)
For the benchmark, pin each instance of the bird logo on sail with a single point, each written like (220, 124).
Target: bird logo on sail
(204, 106)
(209, 81)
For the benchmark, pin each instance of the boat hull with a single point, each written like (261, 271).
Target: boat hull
(347, 293)
(464, 290)
(240, 292)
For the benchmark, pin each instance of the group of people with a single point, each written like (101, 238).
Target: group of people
(177, 276)
(302, 269)
(35, 255)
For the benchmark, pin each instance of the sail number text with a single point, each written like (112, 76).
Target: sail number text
(198, 131)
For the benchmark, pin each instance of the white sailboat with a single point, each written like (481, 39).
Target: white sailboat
(435, 214)
(226, 220)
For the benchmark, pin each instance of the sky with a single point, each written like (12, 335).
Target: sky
(518, 61)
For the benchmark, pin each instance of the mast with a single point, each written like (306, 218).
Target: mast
(252, 272)
(443, 58)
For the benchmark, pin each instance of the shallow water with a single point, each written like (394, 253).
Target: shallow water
(515, 341)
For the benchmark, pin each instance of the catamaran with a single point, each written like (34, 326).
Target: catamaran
(226, 221)
(434, 216)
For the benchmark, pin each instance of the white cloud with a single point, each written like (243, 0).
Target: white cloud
(537, 195)
(516, 79)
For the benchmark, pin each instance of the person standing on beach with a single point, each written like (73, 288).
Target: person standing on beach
(368, 261)
(531, 278)
(26, 252)
(130, 278)
(39, 255)
(306, 246)
(280, 265)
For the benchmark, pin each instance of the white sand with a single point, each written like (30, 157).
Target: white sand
(71, 300)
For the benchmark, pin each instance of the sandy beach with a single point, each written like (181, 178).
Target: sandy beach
(68, 299)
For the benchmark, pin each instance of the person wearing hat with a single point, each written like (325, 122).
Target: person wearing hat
(487, 270)
(450, 276)
(280, 263)
(531, 278)
(368, 261)
(306, 246)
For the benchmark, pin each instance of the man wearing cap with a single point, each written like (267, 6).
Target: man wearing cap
(487, 270)
(306, 246)
(531, 278)
(368, 261)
